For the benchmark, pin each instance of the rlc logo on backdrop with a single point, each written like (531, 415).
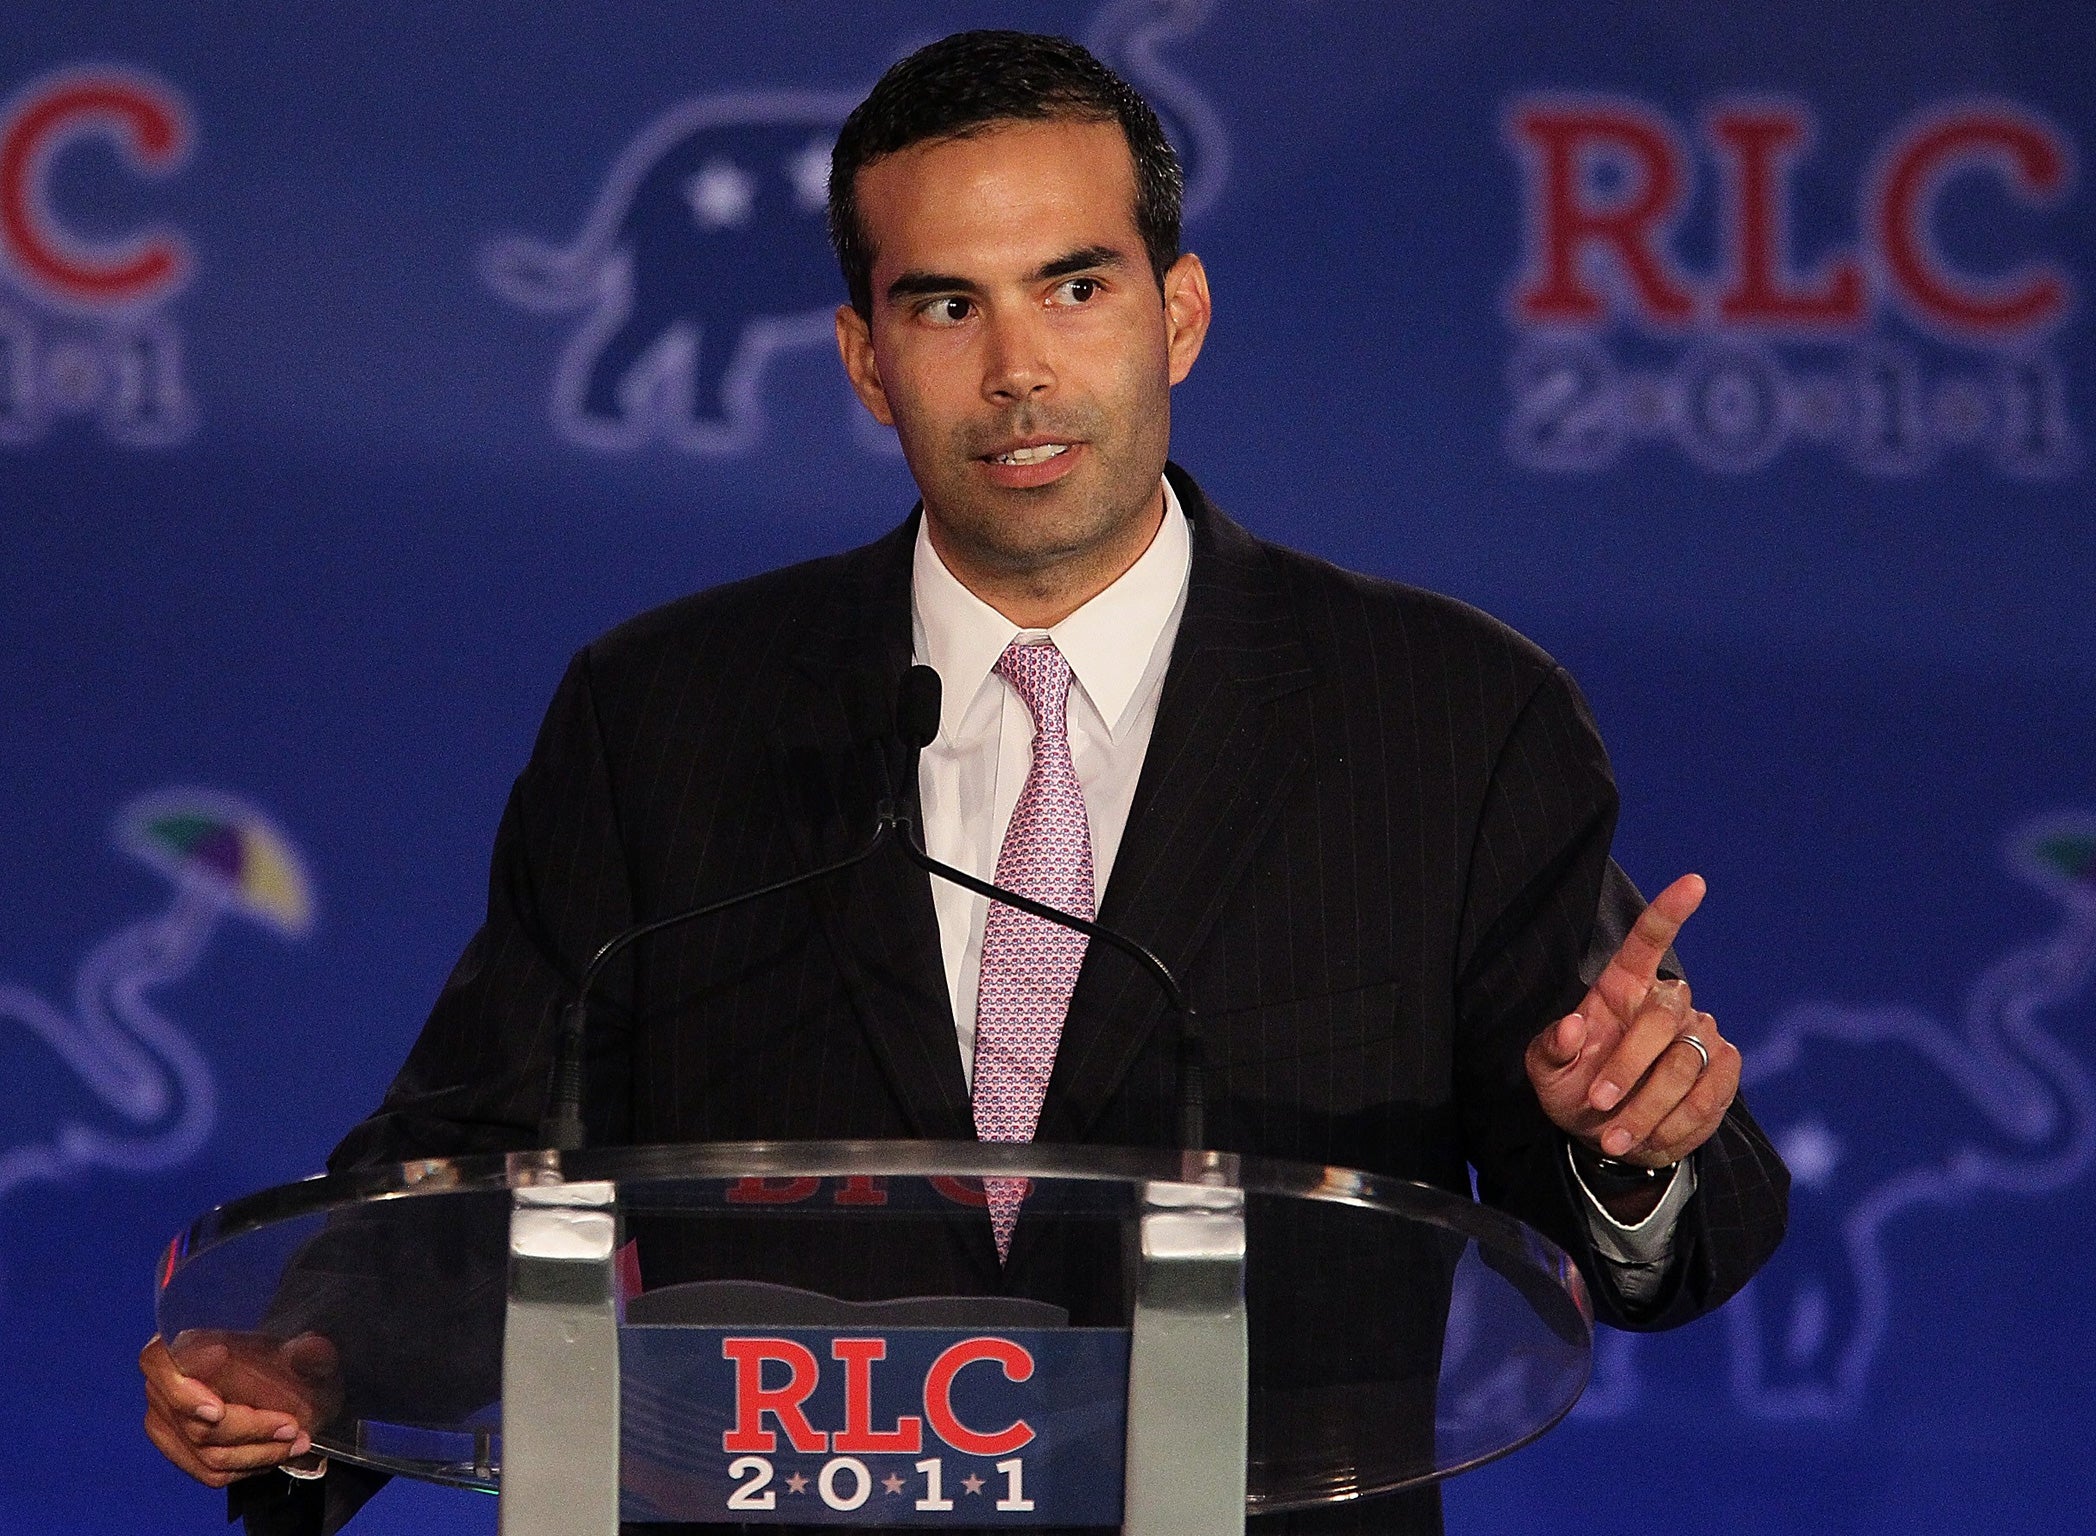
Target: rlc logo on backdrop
(84, 332)
(1882, 1112)
(221, 858)
(1925, 339)
(706, 253)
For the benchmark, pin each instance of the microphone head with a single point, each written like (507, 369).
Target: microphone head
(917, 708)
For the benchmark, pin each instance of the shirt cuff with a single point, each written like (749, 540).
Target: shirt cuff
(1638, 1253)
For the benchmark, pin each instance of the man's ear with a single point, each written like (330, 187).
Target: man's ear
(1187, 311)
(855, 346)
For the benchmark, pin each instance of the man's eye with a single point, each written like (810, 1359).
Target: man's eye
(1078, 290)
(949, 311)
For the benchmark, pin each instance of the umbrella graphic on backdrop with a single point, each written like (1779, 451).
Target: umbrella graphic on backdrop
(222, 858)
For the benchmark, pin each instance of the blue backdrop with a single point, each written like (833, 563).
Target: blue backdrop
(358, 364)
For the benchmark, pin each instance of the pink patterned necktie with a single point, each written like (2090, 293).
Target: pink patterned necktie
(1029, 966)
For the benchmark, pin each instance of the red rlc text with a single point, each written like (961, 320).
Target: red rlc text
(148, 125)
(785, 1401)
(1606, 180)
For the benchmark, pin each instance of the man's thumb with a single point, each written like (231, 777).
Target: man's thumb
(1558, 1047)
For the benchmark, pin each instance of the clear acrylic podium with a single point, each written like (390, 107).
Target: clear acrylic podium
(822, 1333)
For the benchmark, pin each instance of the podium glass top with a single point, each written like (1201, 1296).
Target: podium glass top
(1398, 1334)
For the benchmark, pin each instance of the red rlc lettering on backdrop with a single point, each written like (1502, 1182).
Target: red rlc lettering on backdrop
(1606, 180)
(1565, 145)
(1758, 147)
(148, 125)
(2029, 159)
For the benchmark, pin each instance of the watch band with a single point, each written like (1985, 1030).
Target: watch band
(1611, 1176)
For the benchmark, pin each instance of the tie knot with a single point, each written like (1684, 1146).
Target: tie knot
(1040, 674)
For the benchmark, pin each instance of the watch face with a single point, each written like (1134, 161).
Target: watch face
(1631, 1173)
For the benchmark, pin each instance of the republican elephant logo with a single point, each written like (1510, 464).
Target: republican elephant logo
(1991, 1105)
(706, 253)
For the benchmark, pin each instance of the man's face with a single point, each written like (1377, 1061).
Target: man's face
(1020, 347)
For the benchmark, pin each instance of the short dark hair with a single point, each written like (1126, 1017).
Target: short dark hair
(965, 83)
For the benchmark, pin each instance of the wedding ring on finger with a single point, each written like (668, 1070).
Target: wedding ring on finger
(1701, 1050)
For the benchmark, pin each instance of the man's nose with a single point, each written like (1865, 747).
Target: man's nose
(1018, 364)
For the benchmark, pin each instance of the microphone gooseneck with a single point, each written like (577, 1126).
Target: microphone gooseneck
(916, 725)
(561, 1129)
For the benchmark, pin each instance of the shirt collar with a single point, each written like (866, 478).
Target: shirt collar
(1108, 642)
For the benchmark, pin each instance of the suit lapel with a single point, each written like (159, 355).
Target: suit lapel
(835, 749)
(1225, 747)
(1226, 744)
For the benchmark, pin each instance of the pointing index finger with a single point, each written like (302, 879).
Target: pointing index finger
(1636, 964)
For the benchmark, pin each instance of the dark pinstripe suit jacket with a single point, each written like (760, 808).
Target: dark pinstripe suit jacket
(1371, 833)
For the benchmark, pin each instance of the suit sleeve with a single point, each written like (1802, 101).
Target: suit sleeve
(477, 1076)
(1539, 871)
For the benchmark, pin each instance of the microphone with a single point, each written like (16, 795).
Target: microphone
(917, 714)
(917, 710)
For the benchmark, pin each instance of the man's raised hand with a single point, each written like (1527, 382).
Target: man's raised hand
(1623, 1075)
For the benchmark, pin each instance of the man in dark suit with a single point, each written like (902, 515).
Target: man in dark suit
(1369, 826)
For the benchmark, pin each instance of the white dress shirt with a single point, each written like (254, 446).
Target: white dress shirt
(969, 778)
(1119, 645)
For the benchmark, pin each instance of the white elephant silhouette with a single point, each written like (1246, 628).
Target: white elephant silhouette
(222, 857)
(705, 254)
(2021, 1122)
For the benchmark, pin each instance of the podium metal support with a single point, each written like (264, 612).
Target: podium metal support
(560, 1364)
(1187, 1370)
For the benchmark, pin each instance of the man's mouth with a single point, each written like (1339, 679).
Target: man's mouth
(1039, 453)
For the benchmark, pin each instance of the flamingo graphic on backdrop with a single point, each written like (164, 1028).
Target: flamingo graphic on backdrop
(222, 857)
(1995, 1106)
